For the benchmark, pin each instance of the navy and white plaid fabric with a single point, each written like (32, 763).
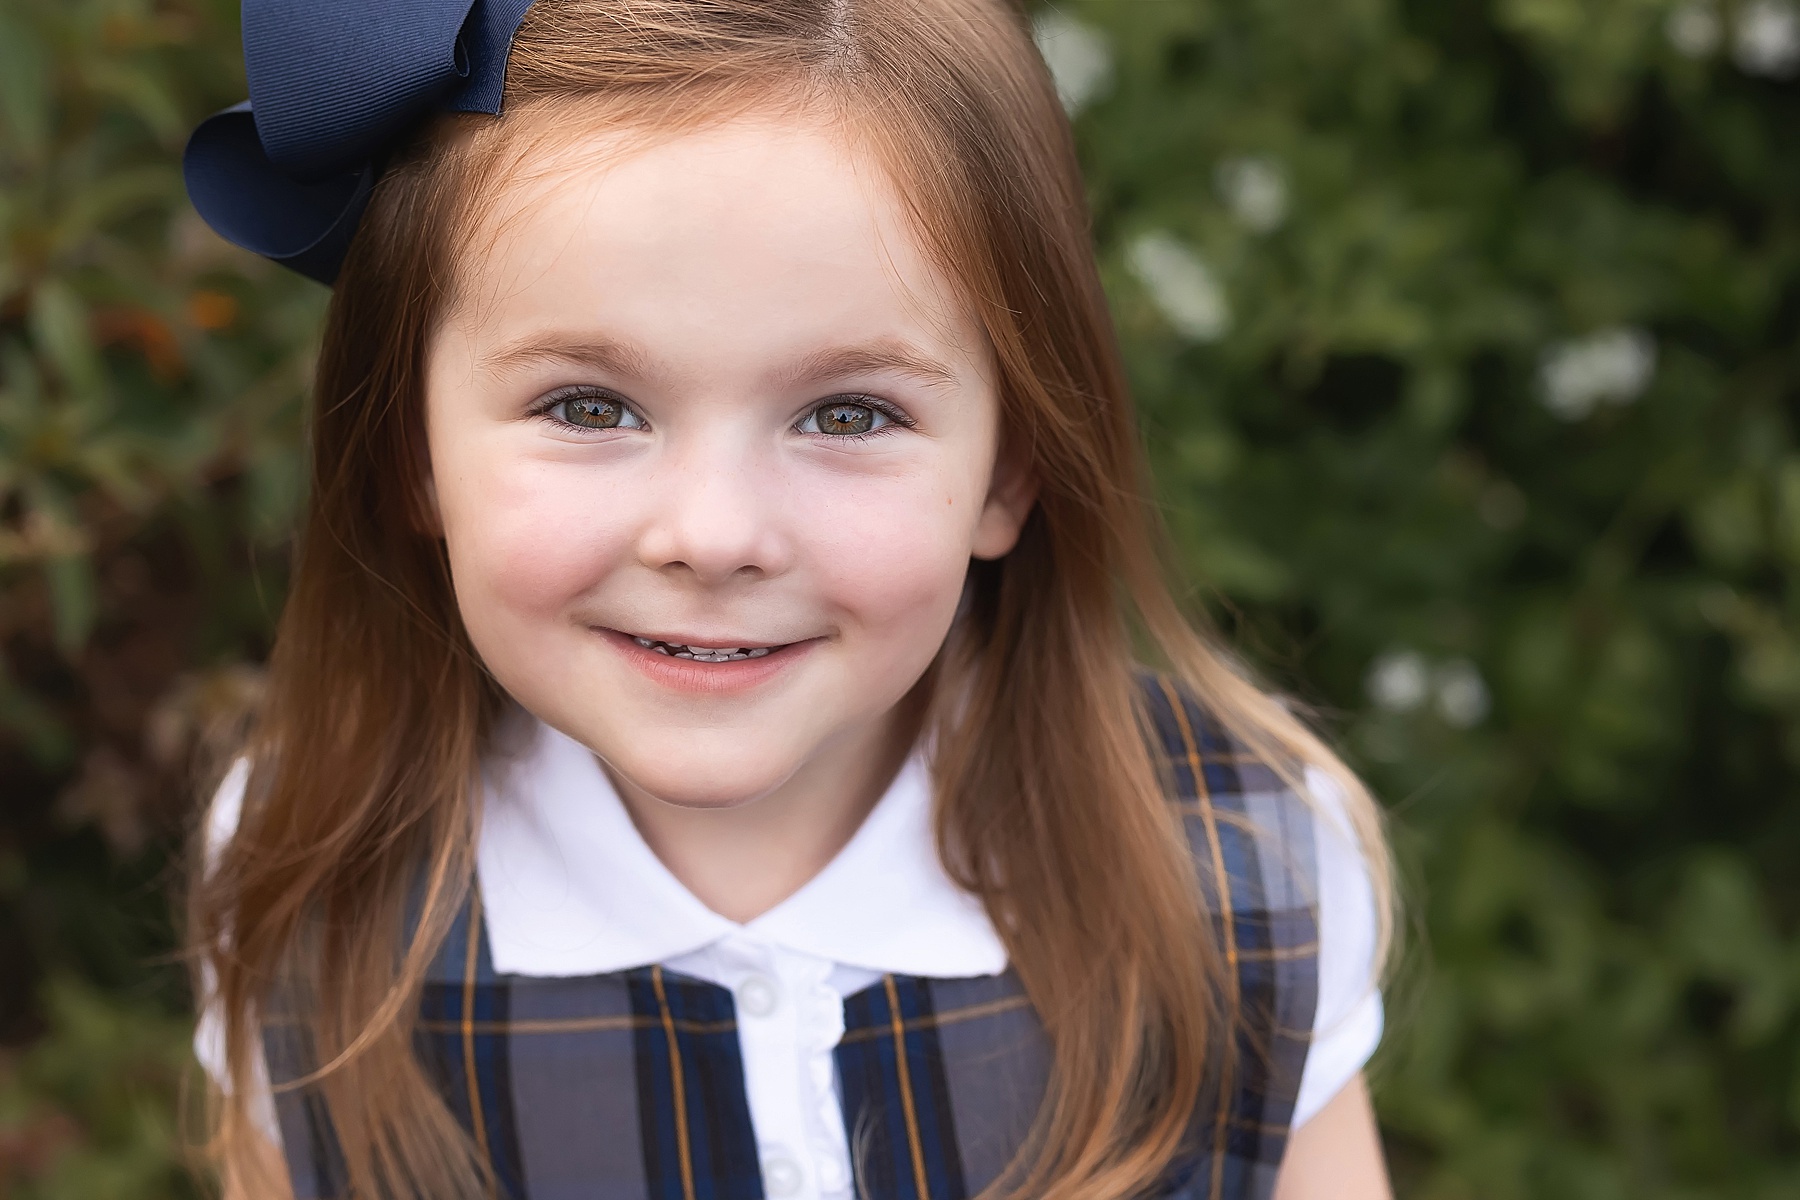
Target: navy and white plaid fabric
(629, 1086)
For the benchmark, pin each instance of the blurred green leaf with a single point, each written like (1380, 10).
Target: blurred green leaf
(59, 325)
(24, 88)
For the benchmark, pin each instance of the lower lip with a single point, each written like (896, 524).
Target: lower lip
(707, 678)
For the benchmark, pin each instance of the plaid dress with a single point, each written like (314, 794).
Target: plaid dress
(629, 1085)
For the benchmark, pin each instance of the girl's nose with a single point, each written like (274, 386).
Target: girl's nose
(715, 514)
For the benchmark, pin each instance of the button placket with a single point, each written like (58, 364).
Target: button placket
(769, 993)
(790, 1018)
(821, 1011)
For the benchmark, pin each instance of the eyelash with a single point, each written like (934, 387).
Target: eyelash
(897, 420)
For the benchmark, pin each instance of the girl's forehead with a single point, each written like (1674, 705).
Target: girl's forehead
(783, 225)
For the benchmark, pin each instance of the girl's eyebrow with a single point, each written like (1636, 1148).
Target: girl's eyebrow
(880, 357)
(586, 350)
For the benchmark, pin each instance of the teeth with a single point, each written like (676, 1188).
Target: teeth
(707, 654)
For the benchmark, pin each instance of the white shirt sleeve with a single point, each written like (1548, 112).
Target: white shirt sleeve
(1347, 1023)
(209, 1031)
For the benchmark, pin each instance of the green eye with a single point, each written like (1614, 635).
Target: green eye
(594, 412)
(844, 417)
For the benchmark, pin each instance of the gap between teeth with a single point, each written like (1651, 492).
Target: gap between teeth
(703, 653)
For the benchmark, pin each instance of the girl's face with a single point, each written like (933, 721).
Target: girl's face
(712, 444)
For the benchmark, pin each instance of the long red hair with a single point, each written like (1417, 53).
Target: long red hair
(1048, 804)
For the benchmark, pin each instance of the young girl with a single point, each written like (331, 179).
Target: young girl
(705, 754)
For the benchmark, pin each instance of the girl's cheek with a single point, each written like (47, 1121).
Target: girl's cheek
(892, 555)
(535, 536)
(542, 568)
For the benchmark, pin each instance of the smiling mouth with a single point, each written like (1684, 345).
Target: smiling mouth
(705, 654)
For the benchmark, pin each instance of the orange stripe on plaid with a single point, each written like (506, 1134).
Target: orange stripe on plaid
(973, 1012)
(906, 1095)
(681, 1129)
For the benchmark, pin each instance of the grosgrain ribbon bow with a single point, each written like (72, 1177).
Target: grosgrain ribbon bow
(333, 83)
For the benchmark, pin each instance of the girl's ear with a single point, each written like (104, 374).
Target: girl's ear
(427, 518)
(1011, 493)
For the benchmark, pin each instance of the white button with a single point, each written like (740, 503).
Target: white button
(831, 1174)
(781, 1175)
(757, 996)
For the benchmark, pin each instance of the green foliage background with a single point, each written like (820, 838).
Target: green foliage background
(1466, 335)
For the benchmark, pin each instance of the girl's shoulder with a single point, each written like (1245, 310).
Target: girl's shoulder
(1293, 902)
(1268, 835)
(1215, 778)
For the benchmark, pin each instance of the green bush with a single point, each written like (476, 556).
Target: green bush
(1466, 336)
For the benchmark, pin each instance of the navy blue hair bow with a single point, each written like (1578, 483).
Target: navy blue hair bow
(333, 83)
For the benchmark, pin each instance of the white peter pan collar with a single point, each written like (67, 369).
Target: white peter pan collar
(569, 887)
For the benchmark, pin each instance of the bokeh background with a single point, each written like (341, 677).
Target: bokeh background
(1467, 334)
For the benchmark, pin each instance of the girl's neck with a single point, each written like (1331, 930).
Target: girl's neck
(744, 860)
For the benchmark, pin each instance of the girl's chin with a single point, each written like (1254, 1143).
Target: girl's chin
(703, 783)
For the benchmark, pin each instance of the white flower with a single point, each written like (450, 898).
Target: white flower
(1180, 285)
(1611, 366)
(1398, 681)
(1768, 38)
(1255, 190)
(1078, 57)
(1694, 28)
(1462, 694)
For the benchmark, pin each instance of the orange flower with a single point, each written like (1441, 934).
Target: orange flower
(212, 310)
